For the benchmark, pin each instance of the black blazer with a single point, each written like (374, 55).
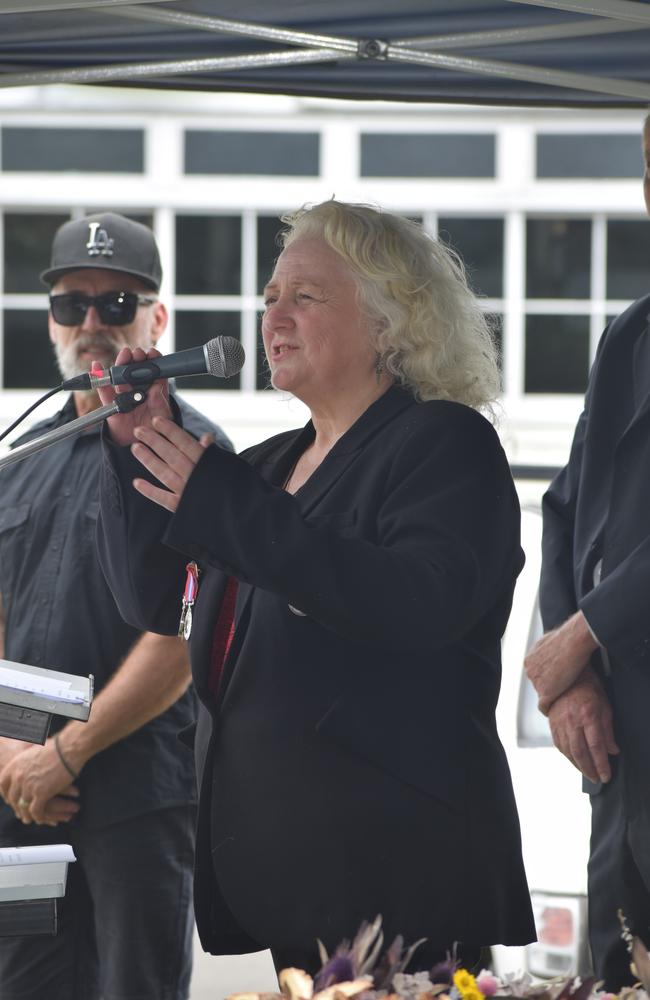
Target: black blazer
(351, 765)
(598, 507)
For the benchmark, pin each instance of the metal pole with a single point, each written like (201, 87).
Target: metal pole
(137, 71)
(41, 6)
(582, 28)
(123, 403)
(625, 10)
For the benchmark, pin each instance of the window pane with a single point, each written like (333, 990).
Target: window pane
(91, 150)
(194, 328)
(268, 247)
(628, 254)
(480, 244)
(28, 356)
(208, 255)
(589, 155)
(289, 154)
(27, 243)
(558, 258)
(557, 354)
(400, 154)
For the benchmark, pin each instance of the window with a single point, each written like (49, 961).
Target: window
(27, 243)
(28, 356)
(595, 156)
(194, 327)
(401, 154)
(628, 257)
(557, 354)
(558, 258)
(268, 247)
(290, 154)
(208, 255)
(480, 244)
(87, 150)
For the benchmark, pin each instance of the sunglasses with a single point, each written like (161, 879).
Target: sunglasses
(113, 308)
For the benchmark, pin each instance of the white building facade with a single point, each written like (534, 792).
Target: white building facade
(545, 207)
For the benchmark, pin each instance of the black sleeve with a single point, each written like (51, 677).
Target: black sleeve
(145, 577)
(557, 595)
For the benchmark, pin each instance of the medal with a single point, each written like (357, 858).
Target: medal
(189, 596)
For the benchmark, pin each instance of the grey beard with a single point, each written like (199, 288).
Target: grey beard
(69, 361)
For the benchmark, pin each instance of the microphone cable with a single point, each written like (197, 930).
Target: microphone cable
(38, 402)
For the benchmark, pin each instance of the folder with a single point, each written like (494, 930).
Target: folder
(30, 696)
(31, 881)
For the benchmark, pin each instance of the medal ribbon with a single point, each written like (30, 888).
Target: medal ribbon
(191, 583)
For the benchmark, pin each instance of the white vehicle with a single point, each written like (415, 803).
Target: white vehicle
(553, 811)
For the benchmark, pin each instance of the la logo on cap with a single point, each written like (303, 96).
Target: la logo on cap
(99, 242)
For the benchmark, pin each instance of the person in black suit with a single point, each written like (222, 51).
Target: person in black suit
(355, 579)
(590, 669)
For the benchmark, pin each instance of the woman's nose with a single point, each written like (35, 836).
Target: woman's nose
(278, 313)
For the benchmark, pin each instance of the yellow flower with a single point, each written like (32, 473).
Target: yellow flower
(465, 983)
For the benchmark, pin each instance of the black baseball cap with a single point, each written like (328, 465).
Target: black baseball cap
(108, 241)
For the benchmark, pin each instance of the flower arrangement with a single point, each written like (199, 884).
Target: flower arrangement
(359, 971)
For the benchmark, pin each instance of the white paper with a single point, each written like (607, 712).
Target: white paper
(45, 854)
(38, 684)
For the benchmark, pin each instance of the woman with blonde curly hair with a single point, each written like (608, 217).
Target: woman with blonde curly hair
(354, 581)
(431, 334)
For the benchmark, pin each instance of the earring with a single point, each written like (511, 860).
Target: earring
(379, 366)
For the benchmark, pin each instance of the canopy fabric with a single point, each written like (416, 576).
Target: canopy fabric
(561, 53)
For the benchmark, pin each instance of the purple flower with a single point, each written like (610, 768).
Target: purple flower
(487, 983)
(339, 969)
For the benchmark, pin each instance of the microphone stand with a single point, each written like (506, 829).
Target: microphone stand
(125, 402)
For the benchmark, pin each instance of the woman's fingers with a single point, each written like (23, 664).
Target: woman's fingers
(179, 437)
(164, 498)
(170, 454)
(179, 455)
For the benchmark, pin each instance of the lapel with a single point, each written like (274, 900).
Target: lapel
(346, 449)
(276, 468)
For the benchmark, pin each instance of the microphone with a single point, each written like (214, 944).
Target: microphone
(221, 357)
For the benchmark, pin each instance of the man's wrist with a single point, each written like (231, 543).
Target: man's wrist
(581, 633)
(68, 745)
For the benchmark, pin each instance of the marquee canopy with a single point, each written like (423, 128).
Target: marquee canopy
(560, 53)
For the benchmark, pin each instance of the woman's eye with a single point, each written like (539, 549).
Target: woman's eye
(268, 301)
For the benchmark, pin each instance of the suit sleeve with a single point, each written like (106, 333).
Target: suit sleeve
(557, 594)
(617, 610)
(445, 549)
(145, 577)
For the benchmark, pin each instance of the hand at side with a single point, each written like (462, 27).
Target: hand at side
(559, 658)
(581, 725)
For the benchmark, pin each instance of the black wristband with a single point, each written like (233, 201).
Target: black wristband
(73, 774)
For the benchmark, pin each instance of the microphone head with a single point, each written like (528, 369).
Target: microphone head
(225, 356)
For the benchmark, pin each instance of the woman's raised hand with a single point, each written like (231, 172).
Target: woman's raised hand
(123, 425)
(170, 454)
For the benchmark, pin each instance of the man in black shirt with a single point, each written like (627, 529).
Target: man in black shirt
(120, 787)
